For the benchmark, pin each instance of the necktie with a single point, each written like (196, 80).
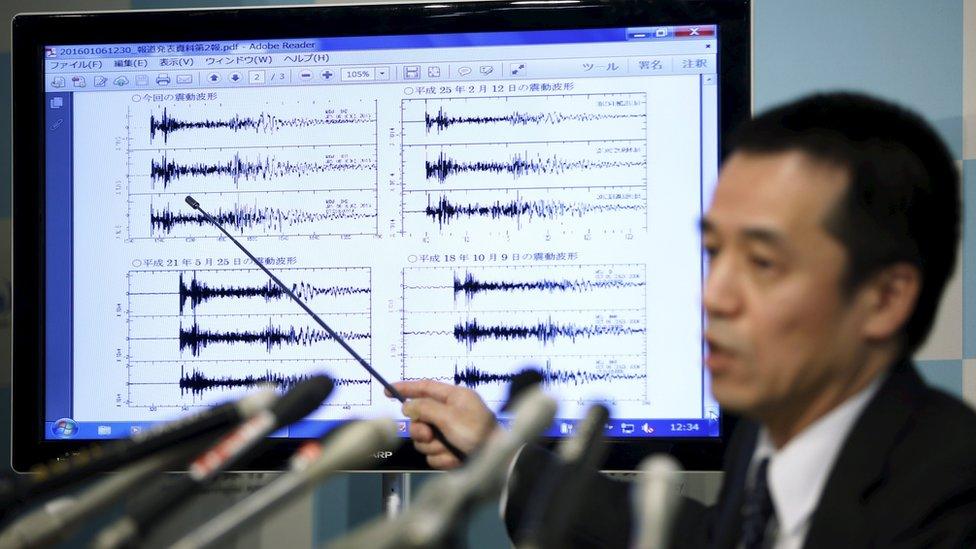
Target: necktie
(757, 509)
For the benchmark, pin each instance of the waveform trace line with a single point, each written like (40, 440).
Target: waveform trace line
(245, 217)
(520, 165)
(446, 211)
(471, 377)
(198, 292)
(471, 332)
(196, 339)
(442, 120)
(169, 171)
(197, 383)
(263, 123)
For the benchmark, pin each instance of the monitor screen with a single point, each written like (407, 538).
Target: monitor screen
(457, 206)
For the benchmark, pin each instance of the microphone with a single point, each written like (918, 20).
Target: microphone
(238, 446)
(193, 203)
(525, 379)
(57, 520)
(656, 504)
(437, 511)
(351, 446)
(54, 475)
(556, 496)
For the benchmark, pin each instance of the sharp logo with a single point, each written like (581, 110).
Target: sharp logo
(383, 454)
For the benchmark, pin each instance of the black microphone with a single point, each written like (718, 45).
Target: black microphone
(193, 203)
(527, 378)
(54, 475)
(560, 490)
(351, 446)
(238, 446)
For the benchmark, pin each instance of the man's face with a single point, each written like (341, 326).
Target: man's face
(780, 329)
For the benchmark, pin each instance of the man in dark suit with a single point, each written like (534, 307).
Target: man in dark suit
(831, 235)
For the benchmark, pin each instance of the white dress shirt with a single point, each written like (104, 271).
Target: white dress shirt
(798, 471)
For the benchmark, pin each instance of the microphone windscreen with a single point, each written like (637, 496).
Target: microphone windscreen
(302, 399)
(529, 377)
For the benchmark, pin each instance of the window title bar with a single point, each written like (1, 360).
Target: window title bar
(311, 45)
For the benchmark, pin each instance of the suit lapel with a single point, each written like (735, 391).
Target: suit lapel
(862, 461)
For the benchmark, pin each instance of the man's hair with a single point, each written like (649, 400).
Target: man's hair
(902, 202)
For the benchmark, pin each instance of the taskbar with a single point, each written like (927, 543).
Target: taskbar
(69, 429)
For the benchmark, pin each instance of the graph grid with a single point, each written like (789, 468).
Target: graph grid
(584, 326)
(495, 165)
(196, 336)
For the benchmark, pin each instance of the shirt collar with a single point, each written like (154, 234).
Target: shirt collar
(798, 471)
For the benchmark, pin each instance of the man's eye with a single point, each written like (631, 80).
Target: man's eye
(761, 262)
(710, 250)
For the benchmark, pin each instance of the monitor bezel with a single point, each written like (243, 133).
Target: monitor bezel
(32, 32)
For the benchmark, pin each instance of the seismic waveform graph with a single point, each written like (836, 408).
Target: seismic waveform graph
(197, 292)
(263, 122)
(474, 325)
(491, 165)
(283, 214)
(445, 212)
(522, 117)
(471, 376)
(294, 167)
(521, 164)
(442, 120)
(195, 339)
(167, 171)
(470, 285)
(203, 334)
(547, 331)
(197, 382)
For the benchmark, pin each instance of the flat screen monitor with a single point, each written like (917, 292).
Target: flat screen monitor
(460, 190)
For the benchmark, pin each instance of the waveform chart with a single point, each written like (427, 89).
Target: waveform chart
(276, 123)
(499, 165)
(430, 121)
(584, 326)
(196, 335)
(302, 167)
(295, 213)
(242, 171)
(165, 384)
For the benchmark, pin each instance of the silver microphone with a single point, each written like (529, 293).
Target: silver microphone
(435, 512)
(657, 501)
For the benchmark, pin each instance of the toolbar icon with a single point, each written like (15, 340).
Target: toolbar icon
(163, 79)
(121, 81)
(57, 82)
(100, 81)
(78, 81)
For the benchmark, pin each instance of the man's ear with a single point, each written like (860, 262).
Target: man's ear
(891, 296)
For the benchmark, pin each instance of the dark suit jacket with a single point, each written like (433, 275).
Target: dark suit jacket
(905, 477)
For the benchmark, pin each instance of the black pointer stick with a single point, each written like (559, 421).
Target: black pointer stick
(332, 333)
